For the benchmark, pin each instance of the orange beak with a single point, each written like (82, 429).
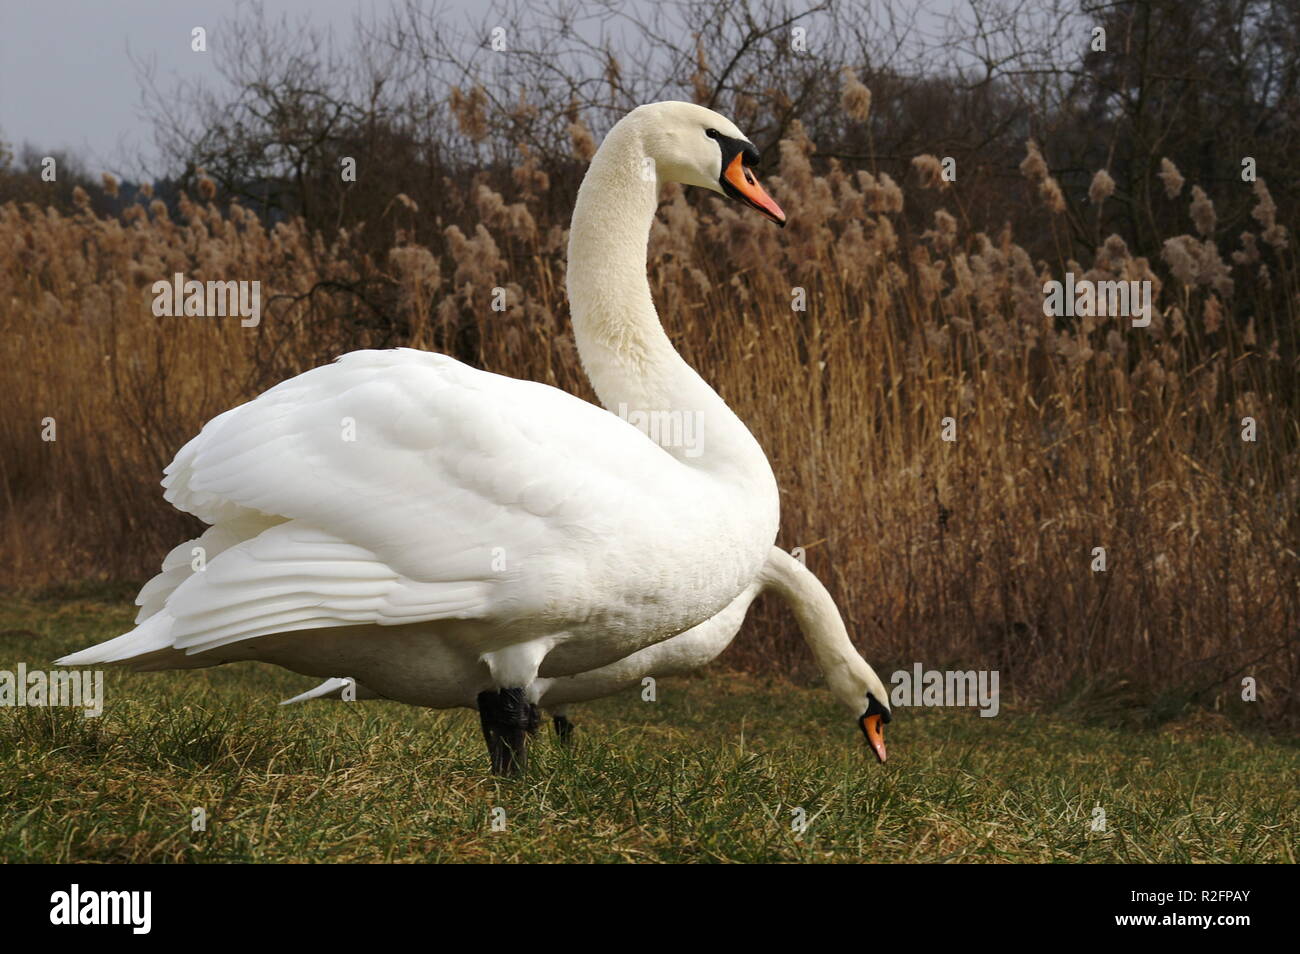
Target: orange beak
(873, 727)
(746, 184)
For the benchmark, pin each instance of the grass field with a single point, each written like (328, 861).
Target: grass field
(712, 771)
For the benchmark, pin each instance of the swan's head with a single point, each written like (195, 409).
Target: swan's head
(696, 146)
(855, 683)
(873, 720)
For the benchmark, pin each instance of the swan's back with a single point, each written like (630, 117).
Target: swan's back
(403, 487)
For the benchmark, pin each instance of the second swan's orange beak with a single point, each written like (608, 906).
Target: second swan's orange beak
(873, 727)
(742, 179)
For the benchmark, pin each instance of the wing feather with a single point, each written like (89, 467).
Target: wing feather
(388, 488)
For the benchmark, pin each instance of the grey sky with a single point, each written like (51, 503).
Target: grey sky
(66, 75)
(68, 80)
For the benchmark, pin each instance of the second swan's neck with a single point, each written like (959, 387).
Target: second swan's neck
(847, 674)
(633, 367)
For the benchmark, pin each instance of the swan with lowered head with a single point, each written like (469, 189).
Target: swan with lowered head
(447, 535)
(818, 618)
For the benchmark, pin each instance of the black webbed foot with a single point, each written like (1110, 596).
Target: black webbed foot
(507, 719)
(563, 728)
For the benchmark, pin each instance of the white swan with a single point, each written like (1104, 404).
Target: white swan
(447, 535)
(819, 621)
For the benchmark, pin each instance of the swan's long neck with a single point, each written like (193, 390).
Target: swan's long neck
(847, 674)
(633, 367)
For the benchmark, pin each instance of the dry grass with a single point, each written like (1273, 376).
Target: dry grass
(711, 771)
(1071, 433)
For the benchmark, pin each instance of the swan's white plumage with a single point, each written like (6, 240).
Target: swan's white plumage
(680, 654)
(331, 688)
(849, 676)
(480, 531)
(180, 562)
(464, 496)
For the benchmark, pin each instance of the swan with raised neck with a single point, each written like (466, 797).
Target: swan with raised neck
(625, 352)
(485, 531)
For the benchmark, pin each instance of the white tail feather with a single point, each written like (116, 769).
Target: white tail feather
(152, 635)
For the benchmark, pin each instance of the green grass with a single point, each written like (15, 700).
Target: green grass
(709, 772)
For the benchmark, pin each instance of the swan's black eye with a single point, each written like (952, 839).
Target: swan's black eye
(712, 133)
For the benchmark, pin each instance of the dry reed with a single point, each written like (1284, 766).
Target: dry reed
(1071, 434)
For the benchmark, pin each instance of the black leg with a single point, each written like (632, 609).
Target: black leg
(563, 728)
(507, 718)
